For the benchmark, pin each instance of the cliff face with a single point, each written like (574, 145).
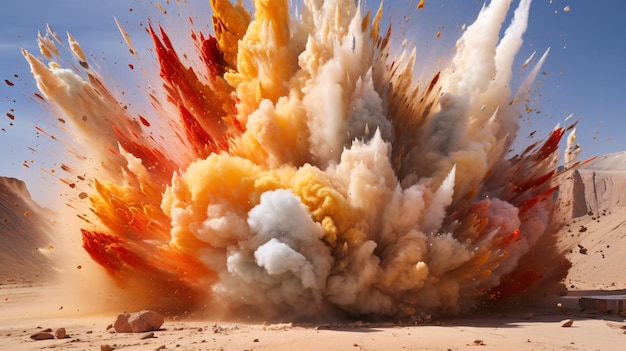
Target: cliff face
(593, 209)
(24, 228)
(596, 188)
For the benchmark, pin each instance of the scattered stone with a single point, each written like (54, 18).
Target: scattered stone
(287, 326)
(255, 340)
(567, 323)
(162, 347)
(42, 336)
(147, 336)
(479, 342)
(47, 330)
(138, 322)
(107, 347)
(61, 333)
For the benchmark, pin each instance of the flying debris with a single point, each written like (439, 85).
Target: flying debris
(303, 170)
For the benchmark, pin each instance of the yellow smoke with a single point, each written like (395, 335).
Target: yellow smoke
(343, 184)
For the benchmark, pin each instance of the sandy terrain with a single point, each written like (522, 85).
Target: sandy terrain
(594, 235)
(522, 328)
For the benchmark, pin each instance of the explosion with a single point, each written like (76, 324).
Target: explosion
(297, 168)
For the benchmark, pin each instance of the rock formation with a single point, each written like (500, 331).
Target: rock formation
(23, 231)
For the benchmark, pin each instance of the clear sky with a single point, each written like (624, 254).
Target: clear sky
(584, 74)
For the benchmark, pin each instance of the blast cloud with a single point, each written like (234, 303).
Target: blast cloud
(307, 174)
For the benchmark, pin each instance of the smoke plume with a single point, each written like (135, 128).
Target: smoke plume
(301, 170)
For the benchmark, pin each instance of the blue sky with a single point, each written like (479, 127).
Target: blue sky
(584, 74)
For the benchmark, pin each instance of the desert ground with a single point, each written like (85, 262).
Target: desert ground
(538, 327)
(593, 236)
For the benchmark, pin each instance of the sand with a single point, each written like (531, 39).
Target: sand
(593, 234)
(521, 328)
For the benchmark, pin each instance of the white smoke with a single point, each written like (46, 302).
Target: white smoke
(351, 188)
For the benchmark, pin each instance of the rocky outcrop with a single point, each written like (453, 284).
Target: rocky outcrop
(598, 191)
(592, 205)
(23, 230)
(596, 188)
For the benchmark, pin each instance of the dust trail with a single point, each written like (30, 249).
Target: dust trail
(304, 172)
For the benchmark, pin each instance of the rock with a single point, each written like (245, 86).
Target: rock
(107, 347)
(42, 336)
(567, 323)
(61, 333)
(287, 326)
(138, 322)
(147, 336)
